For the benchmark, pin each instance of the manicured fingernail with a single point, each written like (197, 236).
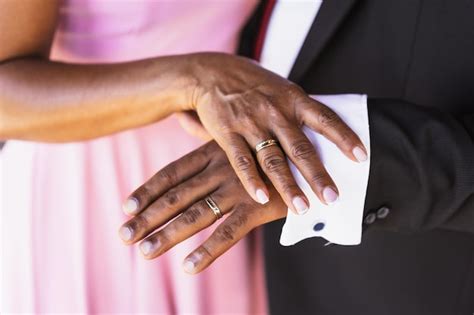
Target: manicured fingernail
(189, 265)
(330, 195)
(300, 205)
(359, 154)
(262, 197)
(125, 233)
(130, 206)
(146, 247)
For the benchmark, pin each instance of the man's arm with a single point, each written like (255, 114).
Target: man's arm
(422, 167)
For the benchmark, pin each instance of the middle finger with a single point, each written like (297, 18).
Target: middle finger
(169, 205)
(194, 219)
(303, 154)
(275, 165)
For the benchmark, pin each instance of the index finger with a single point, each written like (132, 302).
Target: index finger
(167, 178)
(324, 120)
(238, 224)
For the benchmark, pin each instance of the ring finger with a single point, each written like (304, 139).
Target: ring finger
(194, 219)
(170, 204)
(275, 165)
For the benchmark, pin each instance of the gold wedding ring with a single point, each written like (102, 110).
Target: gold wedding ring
(214, 207)
(265, 144)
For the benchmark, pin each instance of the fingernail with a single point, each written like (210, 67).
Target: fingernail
(146, 247)
(189, 265)
(125, 233)
(330, 195)
(359, 154)
(130, 206)
(300, 205)
(262, 197)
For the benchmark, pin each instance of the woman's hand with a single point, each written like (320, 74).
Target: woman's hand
(173, 202)
(241, 104)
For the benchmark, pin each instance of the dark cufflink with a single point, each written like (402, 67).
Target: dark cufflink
(319, 226)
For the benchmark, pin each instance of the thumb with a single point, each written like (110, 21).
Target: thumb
(190, 122)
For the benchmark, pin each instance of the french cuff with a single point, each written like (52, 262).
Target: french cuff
(340, 222)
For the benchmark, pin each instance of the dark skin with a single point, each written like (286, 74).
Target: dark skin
(239, 103)
(172, 208)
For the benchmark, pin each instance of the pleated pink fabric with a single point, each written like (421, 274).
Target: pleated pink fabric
(61, 203)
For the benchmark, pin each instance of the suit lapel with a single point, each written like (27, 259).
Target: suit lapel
(330, 16)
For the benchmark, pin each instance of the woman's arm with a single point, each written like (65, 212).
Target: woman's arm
(239, 103)
(48, 101)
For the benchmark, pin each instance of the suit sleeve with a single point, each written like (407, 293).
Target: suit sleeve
(422, 167)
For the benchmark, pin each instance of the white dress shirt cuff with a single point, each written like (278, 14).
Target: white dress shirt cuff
(340, 222)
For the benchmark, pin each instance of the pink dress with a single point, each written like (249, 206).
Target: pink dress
(61, 203)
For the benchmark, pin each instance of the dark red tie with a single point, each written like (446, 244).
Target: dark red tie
(263, 28)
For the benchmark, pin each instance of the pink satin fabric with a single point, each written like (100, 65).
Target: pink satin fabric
(61, 203)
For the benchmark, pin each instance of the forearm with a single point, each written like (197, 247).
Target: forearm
(47, 101)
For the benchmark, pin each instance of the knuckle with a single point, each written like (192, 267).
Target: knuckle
(347, 139)
(241, 216)
(295, 89)
(289, 189)
(278, 119)
(327, 117)
(144, 192)
(205, 251)
(344, 137)
(171, 199)
(233, 141)
(319, 178)
(287, 90)
(248, 177)
(272, 111)
(167, 175)
(209, 147)
(302, 150)
(248, 121)
(214, 153)
(274, 162)
(162, 239)
(230, 230)
(272, 106)
(193, 214)
(139, 223)
(243, 162)
(225, 232)
(226, 129)
(201, 154)
(218, 159)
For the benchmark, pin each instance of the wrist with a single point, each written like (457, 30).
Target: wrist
(175, 84)
(195, 67)
(204, 72)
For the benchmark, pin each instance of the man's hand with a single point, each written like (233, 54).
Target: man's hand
(171, 207)
(190, 122)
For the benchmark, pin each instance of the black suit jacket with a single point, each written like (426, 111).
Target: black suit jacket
(415, 60)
